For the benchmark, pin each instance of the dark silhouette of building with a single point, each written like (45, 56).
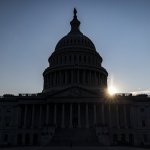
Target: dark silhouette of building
(74, 108)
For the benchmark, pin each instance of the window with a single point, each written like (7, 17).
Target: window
(65, 59)
(145, 138)
(70, 58)
(131, 139)
(85, 59)
(35, 139)
(75, 58)
(79, 58)
(89, 59)
(6, 138)
(115, 138)
(61, 60)
(69, 77)
(143, 123)
(19, 139)
(7, 121)
(56, 59)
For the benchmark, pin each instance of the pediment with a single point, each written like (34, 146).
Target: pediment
(75, 92)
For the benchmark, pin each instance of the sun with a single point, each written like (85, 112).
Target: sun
(112, 90)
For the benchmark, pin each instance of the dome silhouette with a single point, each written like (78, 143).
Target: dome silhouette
(75, 63)
(75, 41)
(75, 38)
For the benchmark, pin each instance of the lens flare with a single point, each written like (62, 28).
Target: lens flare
(112, 90)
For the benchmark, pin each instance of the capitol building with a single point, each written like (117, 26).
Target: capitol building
(74, 107)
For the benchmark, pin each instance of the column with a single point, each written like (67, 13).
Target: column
(18, 117)
(90, 82)
(47, 81)
(78, 81)
(59, 77)
(94, 114)
(71, 76)
(54, 77)
(125, 116)
(40, 117)
(33, 111)
(25, 116)
(66, 77)
(55, 114)
(87, 116)
(79, 121)
(70, 115)
(50, 84)
(83, 77)
(109, 115)
(63, 115)
(136, 117)
(103, 117)
(95, 78)
(47, 114)
(117, 116)
(100, 81)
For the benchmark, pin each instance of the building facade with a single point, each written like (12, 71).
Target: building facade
(73, 108)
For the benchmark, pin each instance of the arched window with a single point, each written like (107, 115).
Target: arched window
(19, 139)
(115, 138)
(6, 138)
(145, 138)
(123, 138)
(27, 139)
(131, 139)
(35, 139)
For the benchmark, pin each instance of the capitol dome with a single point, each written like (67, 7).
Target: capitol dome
(75, 41)
(75, 63)
(75, 38)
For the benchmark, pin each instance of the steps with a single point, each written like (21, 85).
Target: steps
(74, 137)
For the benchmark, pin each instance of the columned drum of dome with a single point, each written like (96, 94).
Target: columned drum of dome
(75, 63)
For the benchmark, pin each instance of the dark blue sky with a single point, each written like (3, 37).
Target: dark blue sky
(30, 30)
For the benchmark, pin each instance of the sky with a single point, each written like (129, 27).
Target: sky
(30, 30)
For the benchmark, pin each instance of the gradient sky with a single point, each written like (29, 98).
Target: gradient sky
(30, 30)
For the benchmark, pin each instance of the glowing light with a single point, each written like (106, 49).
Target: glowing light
(112, 90)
